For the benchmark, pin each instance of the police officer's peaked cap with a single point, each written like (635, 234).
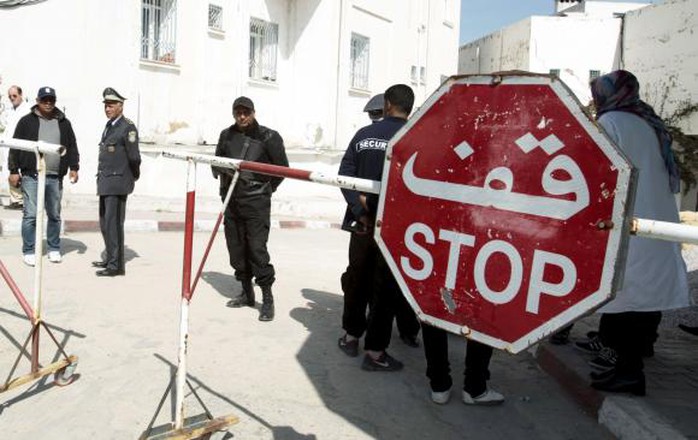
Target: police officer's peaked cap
(375, 103)
(111, 95)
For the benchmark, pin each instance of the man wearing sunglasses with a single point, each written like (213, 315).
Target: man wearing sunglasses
(247, 217)
(19, 107)
(44, 123)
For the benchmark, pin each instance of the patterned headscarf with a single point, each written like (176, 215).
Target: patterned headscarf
(620, 91)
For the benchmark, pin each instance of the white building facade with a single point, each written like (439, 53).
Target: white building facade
(588, 38)
(578, 44)
(309, 65)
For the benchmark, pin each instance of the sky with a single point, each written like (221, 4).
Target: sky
(481, 17)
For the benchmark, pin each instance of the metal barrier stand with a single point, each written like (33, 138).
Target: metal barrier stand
(64, 369)
(202, 425)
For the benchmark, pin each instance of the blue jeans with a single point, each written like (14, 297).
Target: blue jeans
(52, 203)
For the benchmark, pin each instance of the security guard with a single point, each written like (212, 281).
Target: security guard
(374, 108)
(118, 170)
(247, 219)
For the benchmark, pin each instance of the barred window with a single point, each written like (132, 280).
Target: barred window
(158, 30)
(593, 74)
(264, 41)
(555, 72)
(215, 17)
(360, 51)
(413, 75)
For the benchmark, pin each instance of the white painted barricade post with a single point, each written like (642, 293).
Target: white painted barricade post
(203, 424)
(63, 369)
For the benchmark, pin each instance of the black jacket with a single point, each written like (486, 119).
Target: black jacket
(258, 144)
(24, 162)
(119, 159)
(364, 158)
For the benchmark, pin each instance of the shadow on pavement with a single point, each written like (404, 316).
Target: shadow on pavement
(278, 432)
(24, 367)
(69, 245)
(224, 284)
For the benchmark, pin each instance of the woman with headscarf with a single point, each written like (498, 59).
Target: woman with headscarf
(655, 273)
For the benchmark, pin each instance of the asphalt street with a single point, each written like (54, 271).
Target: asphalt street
(284, 380)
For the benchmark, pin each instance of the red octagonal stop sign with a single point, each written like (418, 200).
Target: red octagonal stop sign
(503, 214)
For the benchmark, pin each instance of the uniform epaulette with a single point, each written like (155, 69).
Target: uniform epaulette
(128, 121)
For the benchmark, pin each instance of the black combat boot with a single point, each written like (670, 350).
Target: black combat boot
(246, 298)
(267, 311)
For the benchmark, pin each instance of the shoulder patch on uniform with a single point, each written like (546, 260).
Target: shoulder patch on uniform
(132, 136)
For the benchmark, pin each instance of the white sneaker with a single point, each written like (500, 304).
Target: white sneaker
(488, 398)
(29, 259)
(441, 397)
(54, 257)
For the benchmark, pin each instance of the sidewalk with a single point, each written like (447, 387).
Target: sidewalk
(668, 411)
(145, 214)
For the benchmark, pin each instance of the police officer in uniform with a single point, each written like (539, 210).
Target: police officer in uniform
(247, 217)
(118, 170)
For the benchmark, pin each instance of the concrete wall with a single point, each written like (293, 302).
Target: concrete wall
(661, 48)
(506, 49)
(91, 45)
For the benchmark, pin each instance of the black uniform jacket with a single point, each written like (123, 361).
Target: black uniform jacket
(28, 129)
(119, 159)
(258, 144)
(364, 158)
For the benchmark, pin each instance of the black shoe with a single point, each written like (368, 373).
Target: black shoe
(606, 360)
(350, 348)
(110, 272)
(242, 300)
(592, 346)
(99, 264)
(385, 362)
(620, 383)
(15, 206)
(562, 336)
(602, 375)
(410, 341)
(266, 313)
(688, 329)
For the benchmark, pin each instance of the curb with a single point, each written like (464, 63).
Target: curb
(624, 417)
(13, 228)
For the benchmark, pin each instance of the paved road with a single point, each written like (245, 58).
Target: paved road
(285, 379)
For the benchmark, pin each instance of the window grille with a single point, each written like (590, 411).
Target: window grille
(215, 17)
(360, 51)
(555, 72)
(593, 74)
(264, 41)
(158, 30)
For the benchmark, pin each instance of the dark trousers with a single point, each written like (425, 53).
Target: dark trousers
(630, 334)
(358, 287)
(112, 214)
(477, 361)
(246, 226)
